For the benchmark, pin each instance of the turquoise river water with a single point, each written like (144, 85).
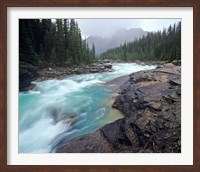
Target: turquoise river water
(61, 110)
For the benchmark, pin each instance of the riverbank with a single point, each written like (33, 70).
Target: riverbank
(151, 102)
(61, 110)
(29, 73)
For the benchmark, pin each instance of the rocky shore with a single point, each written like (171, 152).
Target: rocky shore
(151, 103)
(29, 73)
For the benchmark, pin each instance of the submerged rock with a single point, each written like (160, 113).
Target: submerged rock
(151, 102)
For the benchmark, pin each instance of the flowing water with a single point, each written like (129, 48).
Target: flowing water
(64, 109)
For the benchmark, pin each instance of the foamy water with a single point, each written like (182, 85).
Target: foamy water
(61, 110)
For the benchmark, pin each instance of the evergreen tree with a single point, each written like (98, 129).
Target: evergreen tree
(36, 28)
(42, 59)
(93, 52)
(53, 55)
(26, 51)
(125, 52)
(78, 42)
(165, 45)
(87, 54)
(45, 26)
(66, 38)
(47, 46)
(72, 43)
(84, 51)
(59, 45)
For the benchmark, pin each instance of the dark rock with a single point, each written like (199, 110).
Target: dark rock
(158, 91)
(158, 67)
(95, 143)
(115, 83)
(151, 102)
(26, 76)
(108, 65)
(115, 135)
(29, 73)
(176, 62)
(94, 70)
(105, 61)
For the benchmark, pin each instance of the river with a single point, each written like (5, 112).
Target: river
(61, 110)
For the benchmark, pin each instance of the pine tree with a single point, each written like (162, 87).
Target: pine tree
(60, 42)
(84, 51)
(78, 42)
(26, 51)
(47, 42)
(125, 52)
(47, 46)
(41, 55)
(53, 55)
(66, 38)
(88, 61)
(165, 45)
(93, 52)
(36, 28)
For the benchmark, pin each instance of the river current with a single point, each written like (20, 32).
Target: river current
(61, 110)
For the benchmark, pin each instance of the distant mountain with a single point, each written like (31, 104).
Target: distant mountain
(119, 37)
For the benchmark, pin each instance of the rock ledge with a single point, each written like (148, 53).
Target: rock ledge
(151, 102)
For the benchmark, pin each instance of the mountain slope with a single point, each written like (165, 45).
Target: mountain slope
(119, 37)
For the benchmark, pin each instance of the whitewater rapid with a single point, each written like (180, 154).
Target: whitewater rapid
(61, 110)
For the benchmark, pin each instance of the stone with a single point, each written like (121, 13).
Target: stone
(90, 143)
(176, 62)
(151, 103)
(26, 76)
(108, 65)
(94, 70)
(29, 73)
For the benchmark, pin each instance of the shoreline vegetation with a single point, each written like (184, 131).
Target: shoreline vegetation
(150, 100)
(54, 48)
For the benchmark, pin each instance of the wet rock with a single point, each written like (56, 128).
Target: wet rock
(25, 77)
(115, 135)
(61, 72)
(27, 74)
(151, 102)
(177, 62)
(158, 67)
(108, 65)
(50, 69)
(104, 61)
(94, 70)
(160, 98)
(89, 143)
(115, 83)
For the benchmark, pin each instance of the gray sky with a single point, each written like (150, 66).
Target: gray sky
(107, 27)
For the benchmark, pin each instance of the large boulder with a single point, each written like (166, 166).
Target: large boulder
(94, 70)
(26, 75)
(151, 102)
(108, 65)
(89, 143)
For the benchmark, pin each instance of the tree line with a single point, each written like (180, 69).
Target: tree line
(155, 46)
(43, 42)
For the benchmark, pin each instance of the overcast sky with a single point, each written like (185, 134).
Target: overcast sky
(107, 27)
